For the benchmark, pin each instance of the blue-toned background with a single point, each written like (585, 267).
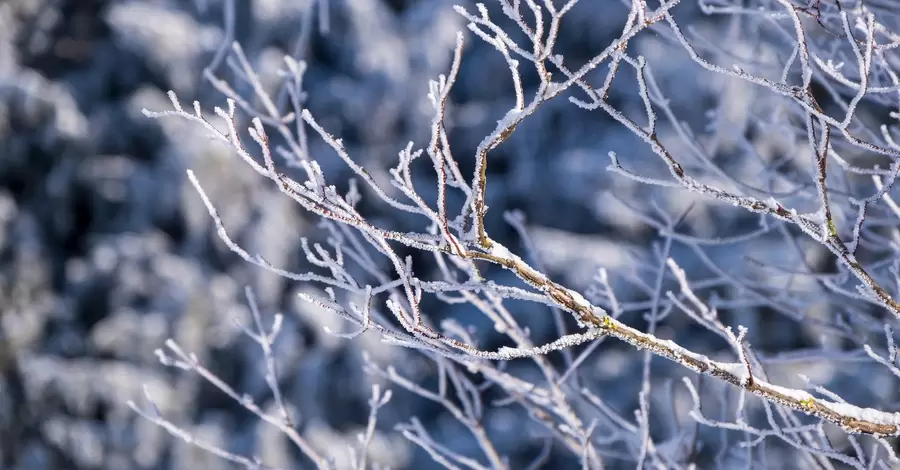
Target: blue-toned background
(106, 250)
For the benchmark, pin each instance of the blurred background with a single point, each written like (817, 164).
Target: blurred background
(106, 250)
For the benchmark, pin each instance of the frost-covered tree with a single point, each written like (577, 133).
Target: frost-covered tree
(742, 318)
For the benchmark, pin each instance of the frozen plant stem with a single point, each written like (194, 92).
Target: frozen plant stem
(460, 242)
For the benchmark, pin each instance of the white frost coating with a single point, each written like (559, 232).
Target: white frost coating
(552, 89)
(736, 369)
(580, 300)
(863, 414)
(794, 394)
(507, 353)
(509, 119)
(680, 352)
(844, 409)
(740, 370)
(500, 251)
(817, 216)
